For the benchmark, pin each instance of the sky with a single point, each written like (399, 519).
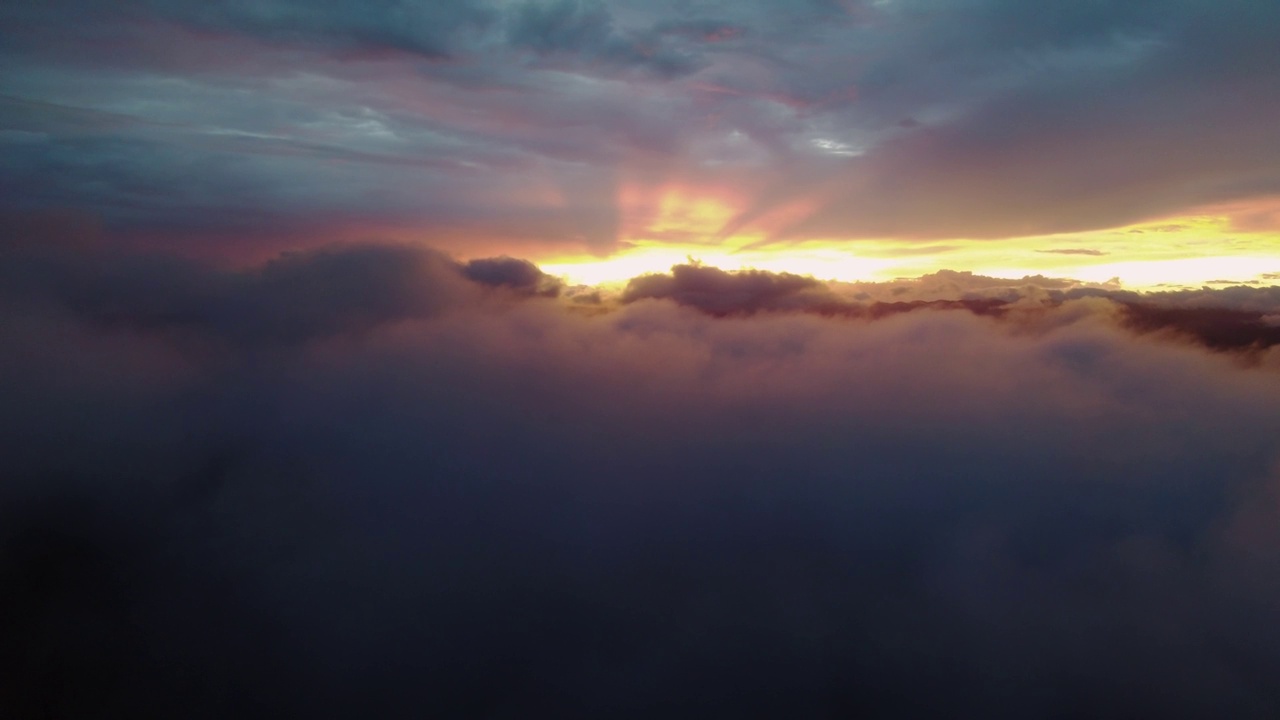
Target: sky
(854, 140)
(604, 359)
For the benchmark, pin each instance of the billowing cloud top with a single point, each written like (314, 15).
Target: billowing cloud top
(371, 478)
(571, 123)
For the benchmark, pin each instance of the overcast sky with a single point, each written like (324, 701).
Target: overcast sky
(564, 125)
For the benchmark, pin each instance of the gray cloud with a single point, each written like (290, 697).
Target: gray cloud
(429, 29)
(892, 119)
(722, 293)
(297, 298)
(1094, 101)
(364, 477)
(582, 31)
(503, 507)
(1236, 319)
(515, 274)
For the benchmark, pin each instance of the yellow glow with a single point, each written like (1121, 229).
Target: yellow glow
(677, 225)
(826, 264)
(1179, 252)
(1181, 272)
(617, 269)
(682, 213)
(671, 225)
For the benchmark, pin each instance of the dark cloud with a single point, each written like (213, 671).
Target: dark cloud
(583, 31)
(1235, 319)
(516, 274)
(718, 292)
(1240, 297)
(428, 29)
(704, 29)
(369, 480)
(296, 298)
(449, 502)
(562, 25)
(722, 294)
(1218, 328)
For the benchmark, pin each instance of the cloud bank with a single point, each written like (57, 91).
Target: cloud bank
(371, 480)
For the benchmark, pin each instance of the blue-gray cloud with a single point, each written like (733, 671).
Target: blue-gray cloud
(900, 118)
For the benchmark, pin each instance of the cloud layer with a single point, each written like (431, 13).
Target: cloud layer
(372, 480)
(255, 465)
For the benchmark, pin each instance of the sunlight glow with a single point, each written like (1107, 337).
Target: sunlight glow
(1182, 272)
(825, 264)
(673, 225)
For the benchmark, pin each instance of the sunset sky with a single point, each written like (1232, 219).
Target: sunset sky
(636, 359)
(847, 138)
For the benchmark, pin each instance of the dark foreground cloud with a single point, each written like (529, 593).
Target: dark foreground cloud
(520, 276)
(718, 292)
(438, 499)
(297, 297)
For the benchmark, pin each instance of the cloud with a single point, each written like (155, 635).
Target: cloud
(1075, 107)
(1218, 328)
(485, 505)
(583, 30)
(1232, 319)
(519, 275)
(477, 120)
(296, 298)
(370, 480)
(718, 292)
(1239, 297)
(428, 29)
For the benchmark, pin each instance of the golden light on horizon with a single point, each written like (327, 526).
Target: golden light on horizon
(1189, 251)
(822, 263)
